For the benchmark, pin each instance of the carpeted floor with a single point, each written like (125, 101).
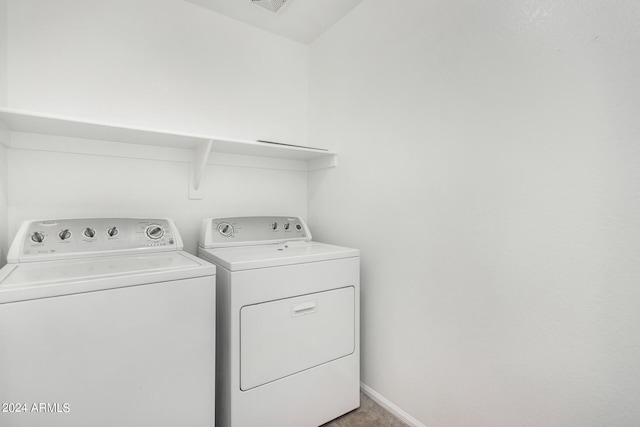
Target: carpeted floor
(369, 414)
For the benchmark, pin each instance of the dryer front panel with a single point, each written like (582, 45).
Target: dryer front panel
(283, 337)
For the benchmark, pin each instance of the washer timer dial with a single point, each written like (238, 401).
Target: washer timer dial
(154, 231)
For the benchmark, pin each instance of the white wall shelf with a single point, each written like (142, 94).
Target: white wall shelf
(125, 141)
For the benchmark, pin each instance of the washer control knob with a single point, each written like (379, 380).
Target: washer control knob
(298, 226)
(274, 226)
(154, 231)
(113, 231)
(89, 232)
(64, 234)
(225, 229)
(37, 237)
(286, 226)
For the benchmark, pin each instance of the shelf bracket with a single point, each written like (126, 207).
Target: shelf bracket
(325, 162)
(201, 156)
(5, 134)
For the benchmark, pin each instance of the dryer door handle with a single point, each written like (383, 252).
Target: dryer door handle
(302, 308)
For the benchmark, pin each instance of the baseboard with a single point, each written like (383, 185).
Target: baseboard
(390, 406)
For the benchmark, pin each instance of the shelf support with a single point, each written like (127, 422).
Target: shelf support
(325, 162)
(201, 156)
(5, 134)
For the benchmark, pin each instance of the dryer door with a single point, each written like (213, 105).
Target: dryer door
(280, 338)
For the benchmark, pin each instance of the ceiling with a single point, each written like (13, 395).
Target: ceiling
(299, 20)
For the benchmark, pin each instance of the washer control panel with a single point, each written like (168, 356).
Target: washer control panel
(39, 240)
(254, 230)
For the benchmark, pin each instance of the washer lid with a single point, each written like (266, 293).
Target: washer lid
(63, 277)
(264, 256)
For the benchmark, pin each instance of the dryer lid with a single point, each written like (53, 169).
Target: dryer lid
(275, 255)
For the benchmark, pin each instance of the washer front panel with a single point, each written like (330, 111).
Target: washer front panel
(115, 357)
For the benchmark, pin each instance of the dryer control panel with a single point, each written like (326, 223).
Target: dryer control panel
(252, 230)
(73, 238)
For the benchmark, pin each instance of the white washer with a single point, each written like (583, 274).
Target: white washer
(288, 335)
(106, 322)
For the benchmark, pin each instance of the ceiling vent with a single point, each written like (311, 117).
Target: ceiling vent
(272, 5)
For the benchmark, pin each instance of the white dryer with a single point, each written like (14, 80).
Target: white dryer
(103, 323)
(288, 335)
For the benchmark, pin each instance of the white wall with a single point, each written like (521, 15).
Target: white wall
(60, 185)
(4, 206)
(3, 149)
(489, 173)
(3, 52)
(164, 64)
